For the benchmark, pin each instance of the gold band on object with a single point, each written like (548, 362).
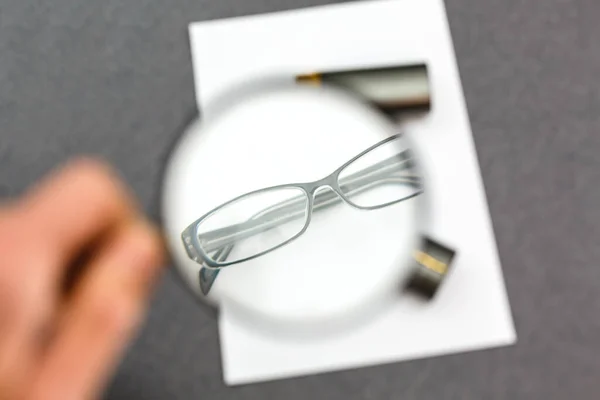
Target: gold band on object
(431, 263)
(309, 78)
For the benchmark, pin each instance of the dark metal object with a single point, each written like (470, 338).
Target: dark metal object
(433, 262)
(391, 89)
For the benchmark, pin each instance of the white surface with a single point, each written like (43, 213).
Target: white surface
(472, 310)
(299, 134)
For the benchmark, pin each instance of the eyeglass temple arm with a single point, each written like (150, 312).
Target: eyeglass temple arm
(294, 208)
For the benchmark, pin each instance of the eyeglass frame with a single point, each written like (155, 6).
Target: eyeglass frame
(190, 234)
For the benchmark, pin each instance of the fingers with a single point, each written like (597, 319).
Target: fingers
(72, 208)
(105, 309)
(81, 207)
(25, 306)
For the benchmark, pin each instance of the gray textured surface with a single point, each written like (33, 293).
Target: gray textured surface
(114, 78)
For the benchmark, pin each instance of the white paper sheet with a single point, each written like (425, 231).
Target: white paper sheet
(472, 310)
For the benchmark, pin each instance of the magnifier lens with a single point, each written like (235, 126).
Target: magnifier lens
(295, 205)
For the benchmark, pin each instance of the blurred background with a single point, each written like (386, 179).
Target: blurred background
(114, 79)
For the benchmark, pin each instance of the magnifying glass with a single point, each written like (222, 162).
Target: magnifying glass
(295, 206)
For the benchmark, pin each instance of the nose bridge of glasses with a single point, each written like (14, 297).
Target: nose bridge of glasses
(317, 186)
(323, 187)
(324, 192)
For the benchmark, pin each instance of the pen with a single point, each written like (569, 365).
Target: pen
(395, 88)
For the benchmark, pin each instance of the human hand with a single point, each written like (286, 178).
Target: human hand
(77, 262)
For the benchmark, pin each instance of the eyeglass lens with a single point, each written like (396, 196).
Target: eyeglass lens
(382, 176)
(255, 223)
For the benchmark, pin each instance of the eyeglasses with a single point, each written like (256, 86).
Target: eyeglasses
(265, 220)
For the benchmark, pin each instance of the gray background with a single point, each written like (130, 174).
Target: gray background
(114, 78)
